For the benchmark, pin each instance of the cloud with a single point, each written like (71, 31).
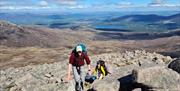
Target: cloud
(157, 3)
(69, 4)
(78, 7)
(16, 2)
(23, 8)
(161, 3)
(124, 4)
(64, 2)
(81, 4)
(25, 5)
(43, 3)
(40, 4)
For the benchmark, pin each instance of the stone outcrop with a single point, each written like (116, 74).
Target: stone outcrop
(106, 84)
(157, 78)
(175, 65)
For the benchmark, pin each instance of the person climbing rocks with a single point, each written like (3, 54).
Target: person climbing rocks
(76, 65)
(99, 72)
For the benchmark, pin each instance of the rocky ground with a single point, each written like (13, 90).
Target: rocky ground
(130, 71)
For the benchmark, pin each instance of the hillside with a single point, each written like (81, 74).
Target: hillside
(13, 35)
(148, 18)
(24, 45)
(147, 22)
(174, 18)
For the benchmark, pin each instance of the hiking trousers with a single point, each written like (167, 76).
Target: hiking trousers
(79, 77)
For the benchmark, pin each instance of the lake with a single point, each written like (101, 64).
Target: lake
(112, 28)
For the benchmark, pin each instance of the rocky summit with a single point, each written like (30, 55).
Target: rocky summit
(130, 71)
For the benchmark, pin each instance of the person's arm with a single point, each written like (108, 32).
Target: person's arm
(71, 59)
(89, 67)
(69, 72)
(109, 69)
(88, 62)
(89, 70)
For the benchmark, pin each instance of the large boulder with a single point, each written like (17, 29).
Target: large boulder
(175, 65)
(106, 84)
(157, 78)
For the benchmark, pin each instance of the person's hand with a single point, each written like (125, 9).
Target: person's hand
(89, 72)
(69, 77)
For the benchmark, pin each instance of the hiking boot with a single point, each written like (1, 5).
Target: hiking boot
(77, 87)
(82, 85)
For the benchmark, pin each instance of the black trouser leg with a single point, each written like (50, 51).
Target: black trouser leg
(77, 87)
(82, 85)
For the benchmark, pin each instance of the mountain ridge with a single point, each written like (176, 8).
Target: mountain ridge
(146, 18)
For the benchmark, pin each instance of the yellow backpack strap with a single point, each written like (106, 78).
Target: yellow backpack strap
(94, 72)
(103, 71)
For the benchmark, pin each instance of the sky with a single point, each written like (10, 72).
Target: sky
(89, 5)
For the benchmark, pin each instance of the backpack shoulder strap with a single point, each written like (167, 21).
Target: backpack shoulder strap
(103, 71)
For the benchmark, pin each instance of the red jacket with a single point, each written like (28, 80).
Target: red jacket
(79, 60)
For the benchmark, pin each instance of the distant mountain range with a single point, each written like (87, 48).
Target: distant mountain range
(25, 19)
(148, 18)
(146, 23)
(138, 22)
